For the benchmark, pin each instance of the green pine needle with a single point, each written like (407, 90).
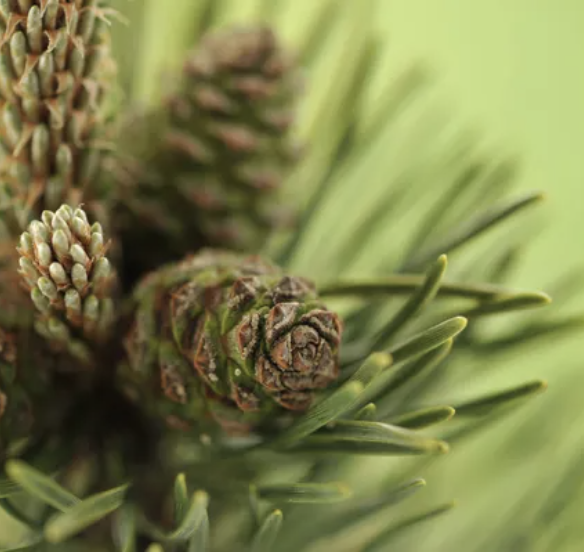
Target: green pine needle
(83, 514)
(41, 486)
(200, 539)
(428, 340)
(476, 227)
(367, 414)
(382, 541)
(181, 498)
(304, 493)
(191, 522)
(423, 418)
(124, 529)
(502, 304)
(268, 533)
(357, 437)
(489, 403)
(417, 301)
(351, 518)
(405, 284)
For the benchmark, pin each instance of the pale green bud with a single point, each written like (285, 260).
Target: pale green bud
(27, 244)
(78, 254)
(58, 274)
(81, 230)
(40, 301)
(96, 245)
(61, 244)
(79, 277)
(39, 232)
(44, 254)
(48, 288)
(28, 270)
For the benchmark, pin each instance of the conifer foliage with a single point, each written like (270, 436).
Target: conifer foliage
(167, 381)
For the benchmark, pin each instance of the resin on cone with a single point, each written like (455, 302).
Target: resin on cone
(54, 68)
(229, 338)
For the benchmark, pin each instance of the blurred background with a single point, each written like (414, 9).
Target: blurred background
(510, 72)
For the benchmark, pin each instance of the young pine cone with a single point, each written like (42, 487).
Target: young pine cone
(63, 265)
(226, 148)
(54, 59)
(231, 338)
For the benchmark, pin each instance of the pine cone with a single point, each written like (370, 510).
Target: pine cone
(231, 338)
(231, 132)
(216, 175)
(64, 266)
(53, 72)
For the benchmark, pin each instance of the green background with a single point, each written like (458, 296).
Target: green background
(514, 68)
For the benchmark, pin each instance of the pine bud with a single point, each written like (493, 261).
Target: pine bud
(228, 336)
(63, 265)
(54, 68)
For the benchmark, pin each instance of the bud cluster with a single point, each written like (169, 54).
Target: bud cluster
(53, 73)
(63, 264)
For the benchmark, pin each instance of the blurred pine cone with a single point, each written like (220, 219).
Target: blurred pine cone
(231, 125)
(54, 67)
(230, 338)
(215, 176)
